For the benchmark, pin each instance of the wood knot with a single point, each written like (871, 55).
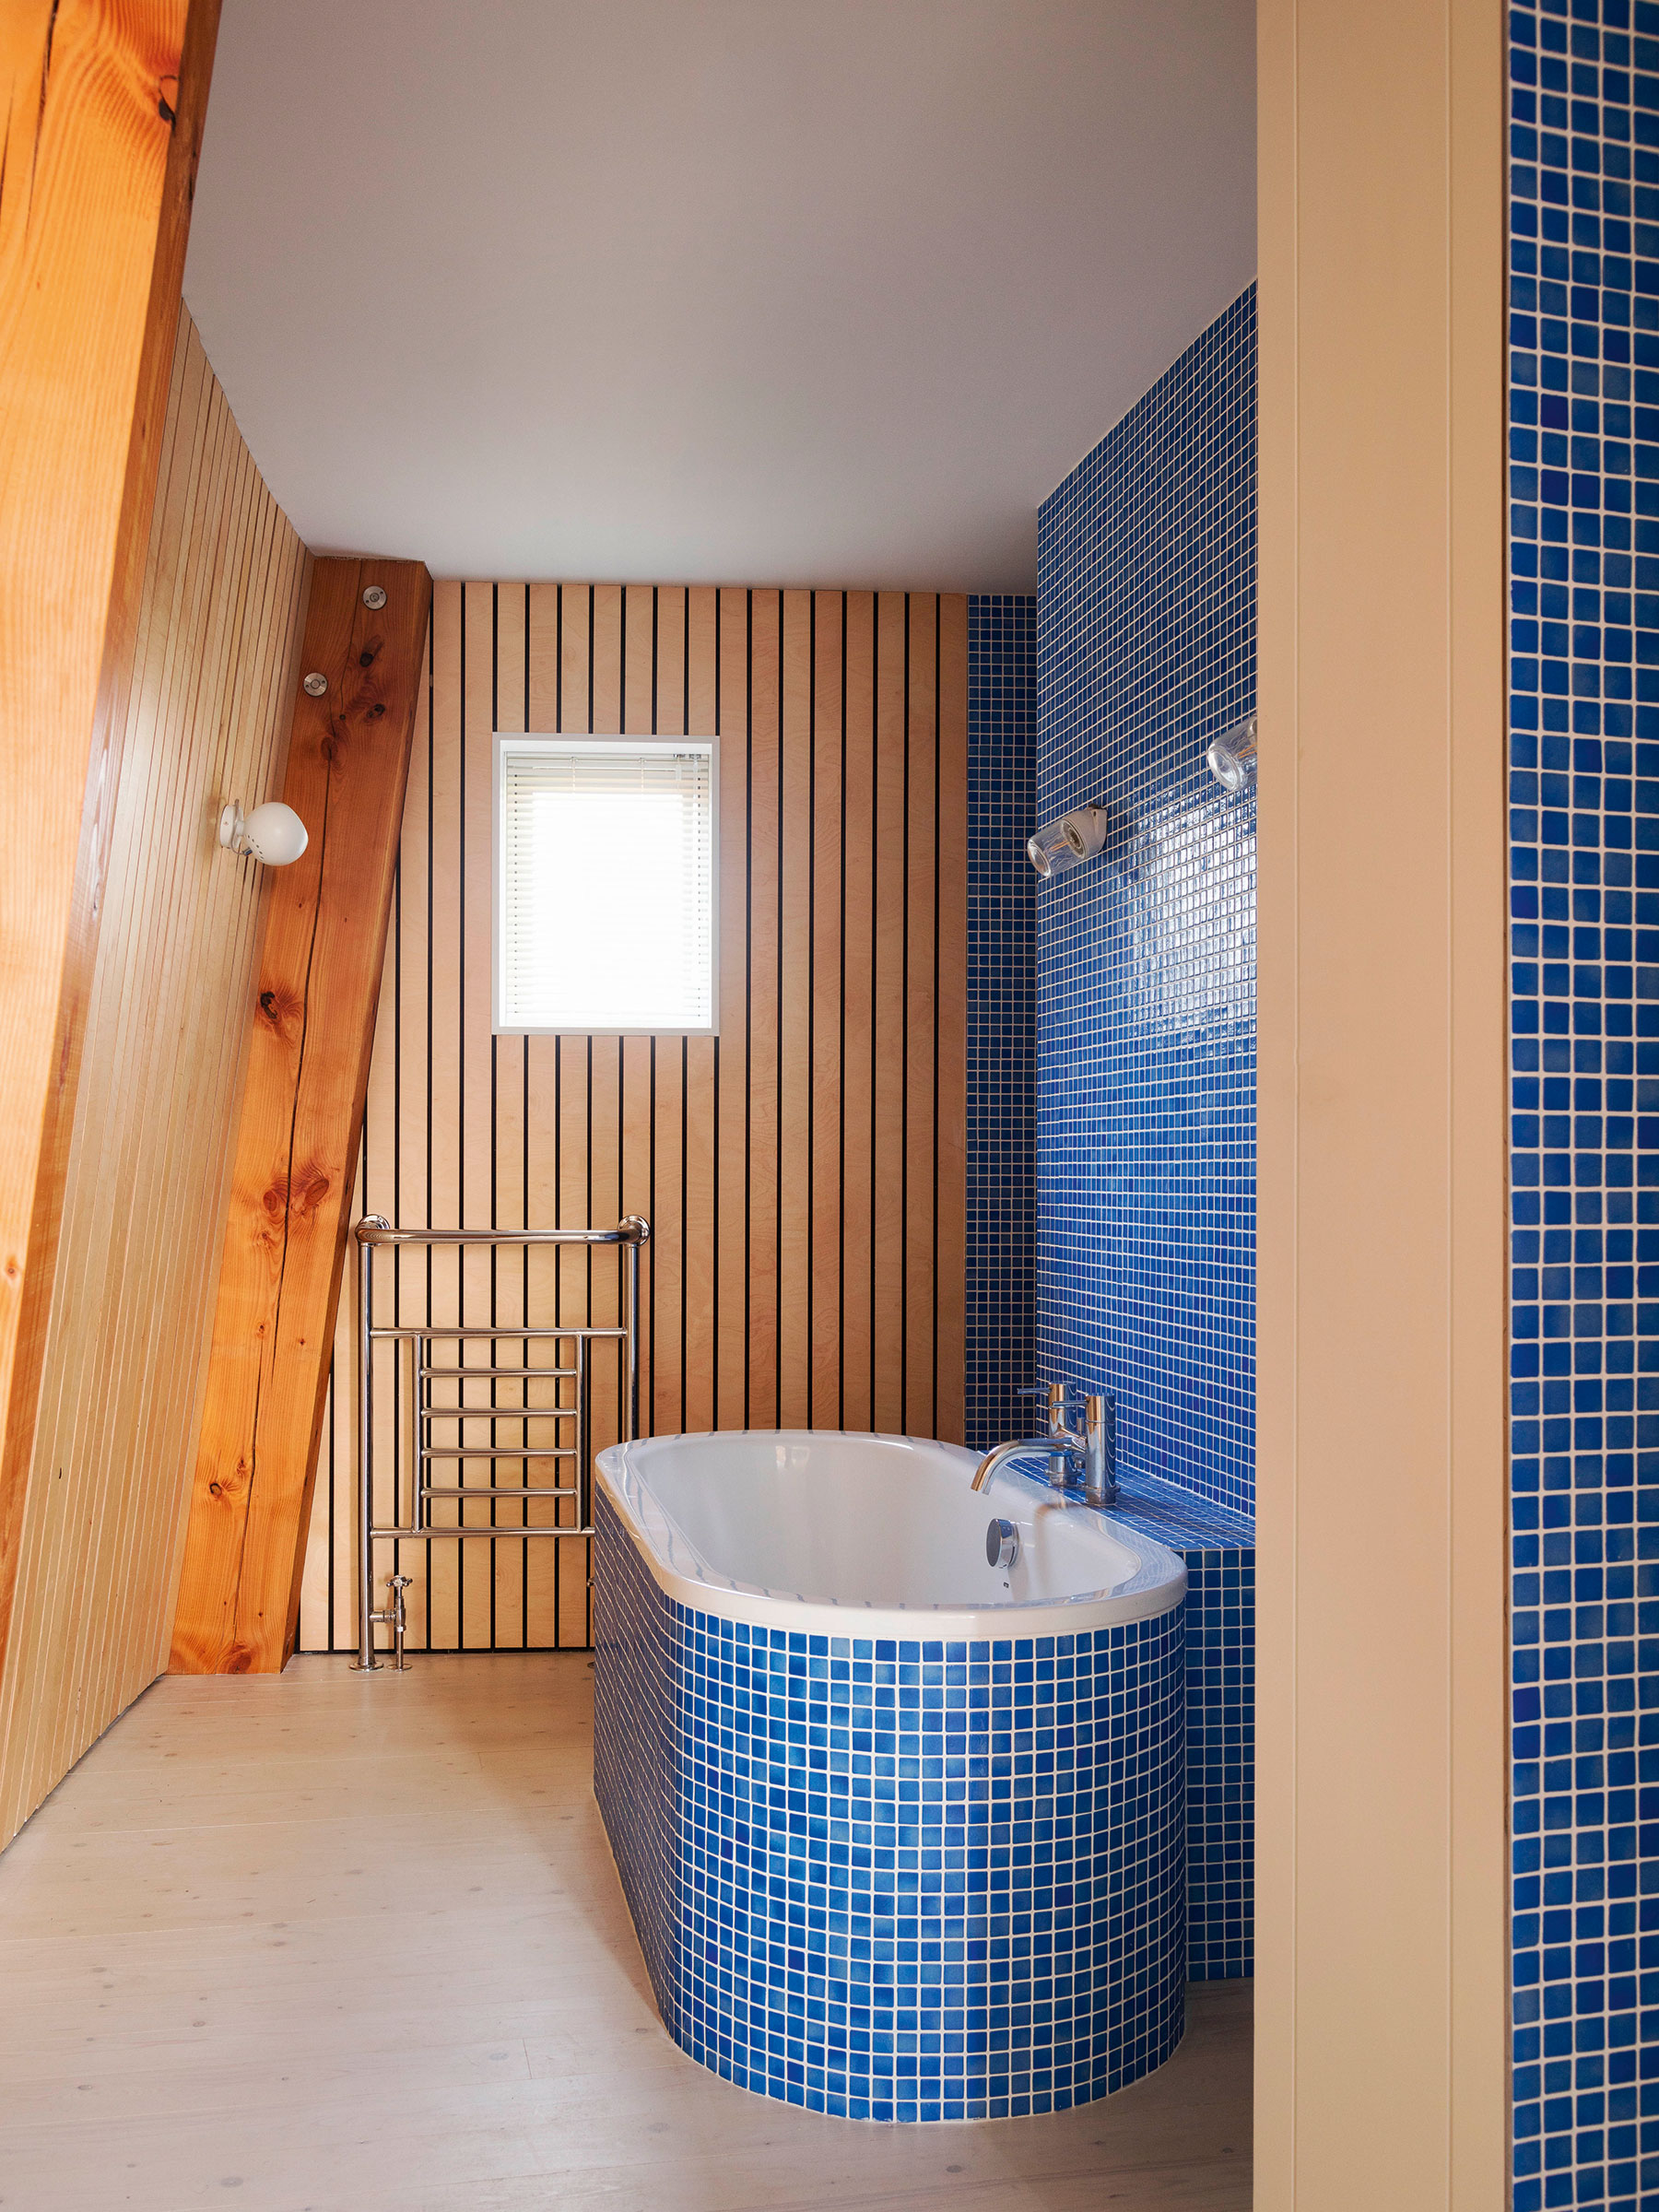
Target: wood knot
(12, 1269)
(231, 1486)
(312, 1186)
(365, 660)
(379, 708)
(166, 95)
(281, 1008)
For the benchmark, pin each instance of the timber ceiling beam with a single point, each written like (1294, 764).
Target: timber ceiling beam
(311, 1025)
(104, 105)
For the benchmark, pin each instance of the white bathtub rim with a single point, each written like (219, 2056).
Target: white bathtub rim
(1158, 1587)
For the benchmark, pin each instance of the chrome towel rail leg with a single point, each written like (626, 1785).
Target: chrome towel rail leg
(366, 1662)
(630, 1322)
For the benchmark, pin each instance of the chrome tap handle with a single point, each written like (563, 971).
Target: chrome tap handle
(1100, 1448)
(1057, 1396)
(1059, 1466)
(1067, 1438)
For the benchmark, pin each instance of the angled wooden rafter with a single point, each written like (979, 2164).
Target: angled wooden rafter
(313, 1027)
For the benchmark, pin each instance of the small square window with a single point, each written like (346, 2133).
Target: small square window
(606, 868)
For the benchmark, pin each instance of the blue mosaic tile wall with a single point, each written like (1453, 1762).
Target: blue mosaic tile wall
(910, 1881)
(1145, 957)
(1584, 904)
(1131, 1253)
(1002, 1015)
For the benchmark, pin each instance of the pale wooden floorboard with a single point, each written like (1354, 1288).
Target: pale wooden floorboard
(321, 1944)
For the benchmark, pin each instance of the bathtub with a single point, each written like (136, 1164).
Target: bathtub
(901, 1832)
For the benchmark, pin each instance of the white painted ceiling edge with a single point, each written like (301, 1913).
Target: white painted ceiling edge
(711, 290)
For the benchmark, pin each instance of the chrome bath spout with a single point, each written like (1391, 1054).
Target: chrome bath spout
(1054, 1446)
(1089, 1454)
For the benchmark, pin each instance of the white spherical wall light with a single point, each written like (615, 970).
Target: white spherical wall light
(272, 833)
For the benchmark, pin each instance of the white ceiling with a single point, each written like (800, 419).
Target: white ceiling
(770, 291)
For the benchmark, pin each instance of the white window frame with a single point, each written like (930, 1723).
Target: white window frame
(567, 741)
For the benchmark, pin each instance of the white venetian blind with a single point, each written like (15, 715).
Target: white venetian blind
(605, 867)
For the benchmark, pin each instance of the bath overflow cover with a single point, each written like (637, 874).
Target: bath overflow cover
(1002, 1544)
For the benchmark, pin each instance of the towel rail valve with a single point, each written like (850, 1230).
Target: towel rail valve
(394, 1615)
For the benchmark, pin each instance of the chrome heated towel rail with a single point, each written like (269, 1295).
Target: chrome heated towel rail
(570, 1376)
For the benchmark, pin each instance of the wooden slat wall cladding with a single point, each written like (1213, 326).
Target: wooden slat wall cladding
(803, 1171)
(101, 168)
(207, 718)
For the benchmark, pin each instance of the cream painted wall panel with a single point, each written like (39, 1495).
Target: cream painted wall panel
(1382, 2012)
(213, 672)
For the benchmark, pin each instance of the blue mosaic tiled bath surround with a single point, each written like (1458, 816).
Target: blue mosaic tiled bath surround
(636, 1744)
(896, 1881)
(1584, 905)
(1220, 1551)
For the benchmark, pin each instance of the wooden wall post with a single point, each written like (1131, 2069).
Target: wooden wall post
(1381, 1736)
(301, 1121)
(103, 116)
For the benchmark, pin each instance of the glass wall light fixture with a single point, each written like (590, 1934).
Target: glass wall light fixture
(1231, 760)
(272, 833)
(1068, 840)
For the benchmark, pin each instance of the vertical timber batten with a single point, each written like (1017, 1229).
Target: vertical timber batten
(312, 1024)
